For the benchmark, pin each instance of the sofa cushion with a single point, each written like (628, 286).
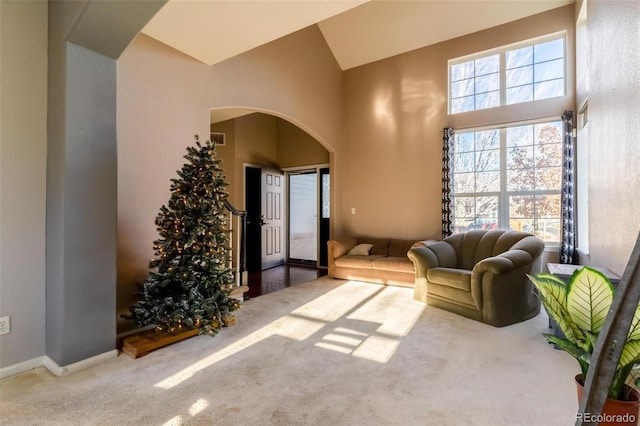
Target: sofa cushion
(486, 245)
(380, 245)
(360, 250)
(398, 264)
(445, 254)
(362, 262)
(468, 248)
(456, 278)
(451, 295)
(399, 248)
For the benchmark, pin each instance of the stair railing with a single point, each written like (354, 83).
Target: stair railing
(242, 252)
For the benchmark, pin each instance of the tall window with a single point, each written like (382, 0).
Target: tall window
(509, 178)
(528, 71)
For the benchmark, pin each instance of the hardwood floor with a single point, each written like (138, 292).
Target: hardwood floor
(279, 277)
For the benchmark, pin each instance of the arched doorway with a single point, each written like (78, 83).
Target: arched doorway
(261, 154)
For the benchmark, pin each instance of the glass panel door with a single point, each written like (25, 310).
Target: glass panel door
(303, 216)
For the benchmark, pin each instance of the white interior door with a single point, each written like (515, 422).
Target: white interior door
(272, 219)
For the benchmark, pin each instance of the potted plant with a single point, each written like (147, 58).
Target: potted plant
(579, 308)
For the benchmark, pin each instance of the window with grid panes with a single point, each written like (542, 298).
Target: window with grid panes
(525, 72)
(509, 178)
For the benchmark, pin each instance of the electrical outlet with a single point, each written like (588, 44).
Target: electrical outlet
(5, 325)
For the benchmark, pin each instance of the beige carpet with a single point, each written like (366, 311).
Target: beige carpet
(326, 352)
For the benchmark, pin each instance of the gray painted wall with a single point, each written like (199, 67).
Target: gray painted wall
(82, 176)
(23, 152)
(87, 325)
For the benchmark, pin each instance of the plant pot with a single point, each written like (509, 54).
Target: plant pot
(614, 412)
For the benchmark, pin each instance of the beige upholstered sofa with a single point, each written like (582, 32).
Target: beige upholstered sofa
(384, 262)
(480, 275)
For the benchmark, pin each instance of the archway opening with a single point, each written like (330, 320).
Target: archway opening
(261, 153)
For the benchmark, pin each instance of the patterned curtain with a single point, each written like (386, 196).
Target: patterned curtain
(568, 248)
(448, 140)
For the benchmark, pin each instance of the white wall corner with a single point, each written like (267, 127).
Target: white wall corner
(21, 367)
(77, 366)
(585, 258)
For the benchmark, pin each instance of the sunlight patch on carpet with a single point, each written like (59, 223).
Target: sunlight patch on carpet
(198, 406)
(175, 421)
(296, 328)
(287, 326)
(341, 339)
(373, 348)
(376, 324)
(377, 348)
(335, 348)
(394, 308)
(366, 321)
(336, 303)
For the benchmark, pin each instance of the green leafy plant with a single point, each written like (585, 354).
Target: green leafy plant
(635, 377)
(580, 307)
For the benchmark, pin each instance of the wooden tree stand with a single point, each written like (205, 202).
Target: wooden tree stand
(141, 343)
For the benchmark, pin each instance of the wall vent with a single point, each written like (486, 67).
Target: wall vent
(218, 138)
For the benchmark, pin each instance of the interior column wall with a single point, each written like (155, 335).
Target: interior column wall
(81, 176)
(81, 198)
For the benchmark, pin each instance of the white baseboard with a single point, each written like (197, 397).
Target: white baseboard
(77, 366)
(21, 367)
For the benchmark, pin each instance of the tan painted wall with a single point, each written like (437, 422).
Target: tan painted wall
(227, 153)
(161, 105)
(395, 110)
(23, 156)
(297, 148)
(614, 130)
(256, 142)
(295, 77)
(263, 140)
(164, 97)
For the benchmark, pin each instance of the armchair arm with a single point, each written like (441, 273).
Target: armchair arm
(505, 262)
(423, 258)
(501, 290)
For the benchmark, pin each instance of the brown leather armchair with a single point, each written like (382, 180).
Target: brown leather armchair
(480, 275)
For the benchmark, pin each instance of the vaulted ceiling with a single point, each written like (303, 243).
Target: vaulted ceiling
(357, 31)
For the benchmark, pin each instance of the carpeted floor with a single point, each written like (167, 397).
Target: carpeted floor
(326, 352)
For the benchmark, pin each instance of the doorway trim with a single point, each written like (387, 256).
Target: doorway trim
(253, 259)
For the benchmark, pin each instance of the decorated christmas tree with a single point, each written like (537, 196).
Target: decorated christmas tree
(190, 279)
